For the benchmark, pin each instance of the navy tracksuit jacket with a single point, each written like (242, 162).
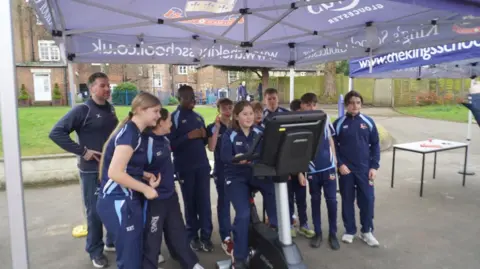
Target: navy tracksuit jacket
(93, 123)
(358, 147)
(473, 104)
(193, 171)
(267, 112)
(163, 215)
(120, 208)
(239, 182)
(223, 202)
(322, 175)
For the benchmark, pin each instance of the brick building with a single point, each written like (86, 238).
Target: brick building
(201, 79)
(40, 68)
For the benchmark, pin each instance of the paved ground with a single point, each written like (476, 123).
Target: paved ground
(437, 231)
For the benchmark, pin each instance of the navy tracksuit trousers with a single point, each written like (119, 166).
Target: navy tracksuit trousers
(327, 181)
(297, 194)
(94, 245)
(239, 189)
(123, 217)
(223, 207)
(356, 185)
(195, 186)
(163, 217)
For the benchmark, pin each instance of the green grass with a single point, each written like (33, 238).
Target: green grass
(35, 124)
(456, 113)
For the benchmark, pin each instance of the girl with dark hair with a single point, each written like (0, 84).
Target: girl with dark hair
(163, 215)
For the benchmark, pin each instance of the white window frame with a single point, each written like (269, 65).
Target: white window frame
(182, 70)
(236, 76)
(157, 80)
(52, 51)
(192, 68)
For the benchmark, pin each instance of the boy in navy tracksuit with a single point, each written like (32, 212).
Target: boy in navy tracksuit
(322, 175)
(239, 178)
(163, 215)
(297, 194)
(125, 185)
(358, 159)
(214, 132)
(93, 121)
(188, 139)
(271, 100)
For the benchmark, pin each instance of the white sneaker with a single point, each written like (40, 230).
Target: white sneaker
(198, 266)
(161, 259)
(348, 238)
(369, 239)
(108, 248)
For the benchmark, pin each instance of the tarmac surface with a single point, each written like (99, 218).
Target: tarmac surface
(439, 230)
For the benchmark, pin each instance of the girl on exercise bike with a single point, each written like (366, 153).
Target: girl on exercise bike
(239, 180)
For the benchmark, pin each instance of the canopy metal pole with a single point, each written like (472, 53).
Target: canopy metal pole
(350, 84)
(11, 143)
(468, 171)
(292, 83)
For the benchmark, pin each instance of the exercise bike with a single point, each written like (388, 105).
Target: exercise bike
(288, 144)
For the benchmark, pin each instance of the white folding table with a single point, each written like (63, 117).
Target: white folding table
(426, 147)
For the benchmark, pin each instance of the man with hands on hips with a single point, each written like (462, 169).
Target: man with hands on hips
(357, 146)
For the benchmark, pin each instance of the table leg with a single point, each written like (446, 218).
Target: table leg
(434, 165)
(393, 168)
(423, 172)
(465, 166)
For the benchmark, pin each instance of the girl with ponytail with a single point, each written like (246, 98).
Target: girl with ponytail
(123, 182)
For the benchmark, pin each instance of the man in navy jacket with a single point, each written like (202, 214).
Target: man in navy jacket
(93, 121)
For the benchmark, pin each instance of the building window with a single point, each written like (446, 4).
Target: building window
(48, 51)
(181, 84)
(303, 74)
(182, 70)
(157, 80)
(233, 76)
(192, 68)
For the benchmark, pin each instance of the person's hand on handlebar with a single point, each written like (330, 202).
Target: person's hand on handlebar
(302, 180)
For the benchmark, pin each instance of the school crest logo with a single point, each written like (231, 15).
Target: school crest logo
(199, 119)
(159, 153)
(363, 126)
(310, 177)
(332, 177)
